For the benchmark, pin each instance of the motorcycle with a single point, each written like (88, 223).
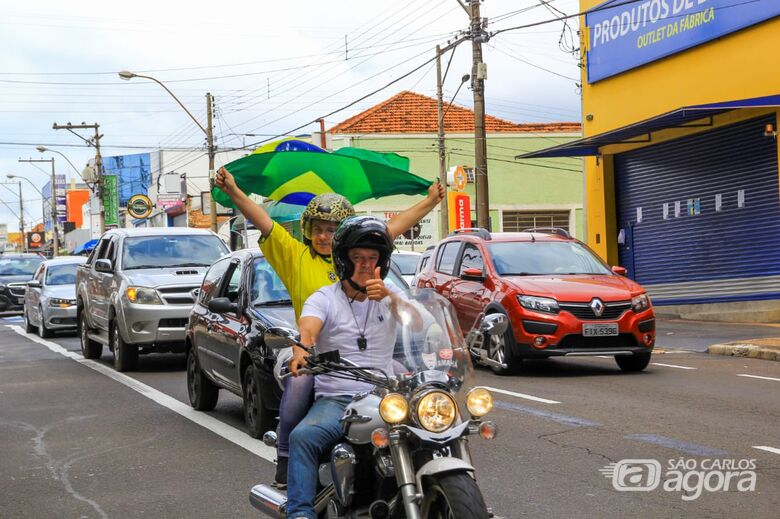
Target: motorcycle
(405, 449)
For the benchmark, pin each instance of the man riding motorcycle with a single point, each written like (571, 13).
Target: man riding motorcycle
(306, 267)
(355, 317)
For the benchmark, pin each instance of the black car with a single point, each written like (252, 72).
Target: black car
(15, 271)
(229, 336)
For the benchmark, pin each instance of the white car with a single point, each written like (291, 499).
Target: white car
(406, 262)
(50, 297)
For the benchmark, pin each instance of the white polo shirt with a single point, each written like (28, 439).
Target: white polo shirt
(339, 332)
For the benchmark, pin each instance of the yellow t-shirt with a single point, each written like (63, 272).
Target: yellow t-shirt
(302, 271)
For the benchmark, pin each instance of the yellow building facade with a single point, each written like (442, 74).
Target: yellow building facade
(679, 110)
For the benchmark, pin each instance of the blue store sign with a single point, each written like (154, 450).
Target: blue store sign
(625, 35)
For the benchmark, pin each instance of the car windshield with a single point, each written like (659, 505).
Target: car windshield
(406, 263)
(171, 251)
(267, 288)
(19, 266)
(61, 274)
(544, 257)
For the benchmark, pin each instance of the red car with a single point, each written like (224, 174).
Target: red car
(561, 299)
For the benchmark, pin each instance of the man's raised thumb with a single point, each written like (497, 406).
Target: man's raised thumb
(378, 273)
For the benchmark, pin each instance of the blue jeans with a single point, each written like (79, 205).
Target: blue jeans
(315, 436)
(296, 400)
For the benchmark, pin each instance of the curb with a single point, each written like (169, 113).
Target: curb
(741, 349)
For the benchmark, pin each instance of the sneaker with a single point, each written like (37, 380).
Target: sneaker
(280, 479)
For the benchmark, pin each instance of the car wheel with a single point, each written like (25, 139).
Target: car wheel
(635, 362)
(43, 332)
(89, 349)
(202, 391)
(257, 417)
(28, 327)
(125, 355)
(499, 349)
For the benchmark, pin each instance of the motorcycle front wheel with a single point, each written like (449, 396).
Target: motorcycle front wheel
(453, 496)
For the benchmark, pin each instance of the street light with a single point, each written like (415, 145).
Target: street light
(208, 130)
(43, 149)
(55, 238)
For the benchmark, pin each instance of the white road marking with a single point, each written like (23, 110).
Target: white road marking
(768, 449)
(522, 395)
(756, 376)
(671, 366)
(228, 432)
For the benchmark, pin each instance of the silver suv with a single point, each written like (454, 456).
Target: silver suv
(135, 292)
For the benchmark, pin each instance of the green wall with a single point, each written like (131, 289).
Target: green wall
(533, 184)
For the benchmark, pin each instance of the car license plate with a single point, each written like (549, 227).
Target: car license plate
(599, 330)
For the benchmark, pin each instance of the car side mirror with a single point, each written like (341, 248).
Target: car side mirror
(104, 265)
(494, 324)
(222, 305)
(621, 271)
(34, 283)
(472, 274)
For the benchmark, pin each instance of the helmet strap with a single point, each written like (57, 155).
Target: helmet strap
(356, 286)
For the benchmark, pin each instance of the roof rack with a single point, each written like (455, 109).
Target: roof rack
(550, 230)
(482, 233)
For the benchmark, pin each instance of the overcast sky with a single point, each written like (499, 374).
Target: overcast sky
(272, 66)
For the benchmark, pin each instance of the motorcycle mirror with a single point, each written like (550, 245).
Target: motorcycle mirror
(278, 337)
(494, 324)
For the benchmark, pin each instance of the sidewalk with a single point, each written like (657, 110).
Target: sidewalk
(764, 349)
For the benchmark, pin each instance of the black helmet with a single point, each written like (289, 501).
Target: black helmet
(328, 207)
(361, 232)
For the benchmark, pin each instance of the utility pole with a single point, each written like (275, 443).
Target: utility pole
(98, 163)
(21, 219)
(444, 217)
(210, 141)
(55, 235)
(478, 76)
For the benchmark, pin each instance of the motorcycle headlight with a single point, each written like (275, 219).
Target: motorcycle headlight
(640, 303)
(479, 402)
(539, 304)
(436, 411)
(394, 409)
(142, 296)
(61, 303)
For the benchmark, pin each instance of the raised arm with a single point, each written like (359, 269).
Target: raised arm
(251, 211)
(406, 220)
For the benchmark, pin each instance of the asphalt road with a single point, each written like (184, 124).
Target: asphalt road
(79, 440)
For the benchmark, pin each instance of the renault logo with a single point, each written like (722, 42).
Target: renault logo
(597, 306)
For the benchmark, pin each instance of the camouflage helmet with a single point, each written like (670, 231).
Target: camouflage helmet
(328, 207)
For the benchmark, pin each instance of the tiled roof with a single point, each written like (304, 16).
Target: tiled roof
(409, 112)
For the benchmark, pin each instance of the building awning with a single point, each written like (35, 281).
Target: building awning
(641, 131)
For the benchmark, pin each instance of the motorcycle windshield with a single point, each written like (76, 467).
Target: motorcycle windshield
(430, 342)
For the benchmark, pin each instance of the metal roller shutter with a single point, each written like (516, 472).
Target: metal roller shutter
(699, 217)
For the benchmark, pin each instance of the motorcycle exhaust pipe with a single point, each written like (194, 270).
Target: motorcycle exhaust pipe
(268, 500)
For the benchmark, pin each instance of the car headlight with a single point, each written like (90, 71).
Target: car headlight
(539, 304)
(394, 409)
(479, 402)
(436, 411)
(640, 303)
(56, 302)
(142, 296)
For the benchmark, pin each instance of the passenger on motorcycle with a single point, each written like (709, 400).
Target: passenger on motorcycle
(306, 267)
(354, 316)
